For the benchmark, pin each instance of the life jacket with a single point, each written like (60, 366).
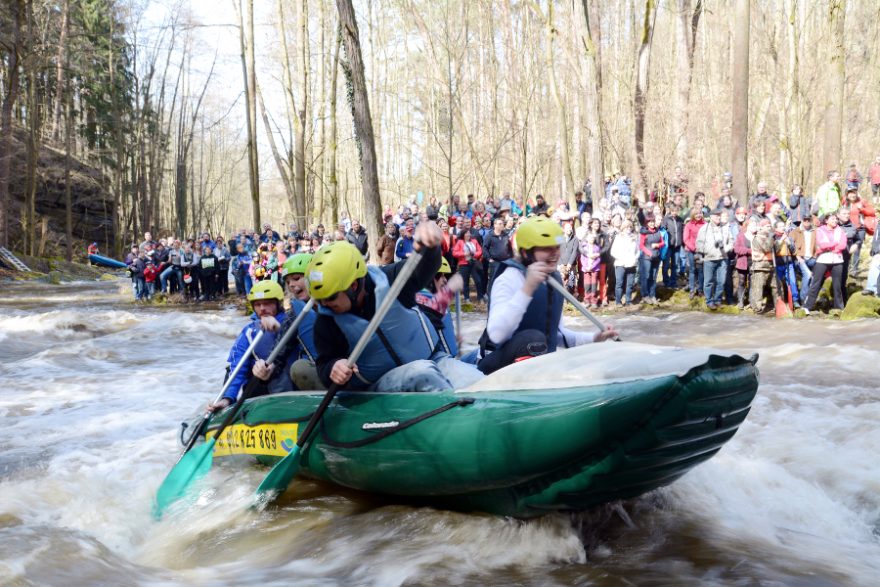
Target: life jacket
(279, 381)
(447, 342)
(404, 335)
(305, 332)
(543, 313)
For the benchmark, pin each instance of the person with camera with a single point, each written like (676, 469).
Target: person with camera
(712, 245)
(784, 250)
(804, 239)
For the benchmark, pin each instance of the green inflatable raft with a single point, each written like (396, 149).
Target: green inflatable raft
(565, 431)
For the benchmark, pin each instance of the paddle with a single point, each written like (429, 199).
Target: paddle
(207, 417)
(282, 473)
(574, 302)
(782, 309)
(458, 320)
(196, 463)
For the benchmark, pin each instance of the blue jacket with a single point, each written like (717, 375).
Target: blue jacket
(241, 344)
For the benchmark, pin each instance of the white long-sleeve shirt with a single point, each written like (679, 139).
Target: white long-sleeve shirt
(508, 305)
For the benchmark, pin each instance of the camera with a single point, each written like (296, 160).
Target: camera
(718, 244)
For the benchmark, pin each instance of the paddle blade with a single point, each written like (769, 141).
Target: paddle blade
(782, 309)
(281, 475)
(193, 466)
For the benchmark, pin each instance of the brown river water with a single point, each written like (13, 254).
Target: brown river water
(93, 388)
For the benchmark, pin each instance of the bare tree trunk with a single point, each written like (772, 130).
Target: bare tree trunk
(292, 116)
(60, 62)
(641, 90)
(593, 83)
(279, 160)
(33, 142)
(360, 107)
(561, 107)
(12, 87)
(302, 18)
(68, 200)
(740, 104)
(836, 81)
(686, 41)
(792, 107)
(248, 68)
(332, 177)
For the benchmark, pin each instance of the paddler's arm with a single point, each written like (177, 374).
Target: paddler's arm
(332, 346)
(428, 237)
(236, 353)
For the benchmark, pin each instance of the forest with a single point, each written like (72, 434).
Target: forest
(114, 121)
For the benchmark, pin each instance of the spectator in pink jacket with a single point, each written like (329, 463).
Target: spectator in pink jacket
(830, 245)
(695, 264)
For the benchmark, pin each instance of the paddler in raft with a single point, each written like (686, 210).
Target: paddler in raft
(297, 358)
(402, 355)
(267, 299)
(434, 302)
(525, 314)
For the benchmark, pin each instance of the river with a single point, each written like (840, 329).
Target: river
(92, 390)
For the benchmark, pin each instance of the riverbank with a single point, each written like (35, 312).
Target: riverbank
(56, 270)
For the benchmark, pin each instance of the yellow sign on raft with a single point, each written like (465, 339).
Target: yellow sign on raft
(262, 439)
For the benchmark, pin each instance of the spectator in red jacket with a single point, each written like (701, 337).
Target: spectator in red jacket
(874, 178)
(695, 270)
(469, 254)
(864, 219)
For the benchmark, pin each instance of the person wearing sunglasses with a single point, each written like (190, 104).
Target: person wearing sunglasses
(401, 354)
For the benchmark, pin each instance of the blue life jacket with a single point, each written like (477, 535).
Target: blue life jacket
(280, 382)
(447, 342)
(664, 251)
(404, 335)
(543, 313)
(305, 333)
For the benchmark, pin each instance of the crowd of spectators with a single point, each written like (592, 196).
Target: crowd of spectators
(618, 246)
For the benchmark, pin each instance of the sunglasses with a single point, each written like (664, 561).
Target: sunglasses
(329, 299)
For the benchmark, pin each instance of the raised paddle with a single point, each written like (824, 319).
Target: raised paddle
(196, 463)
(282, 473)
(574, 302)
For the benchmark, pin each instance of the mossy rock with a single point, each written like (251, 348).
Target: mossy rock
(733, 310)
(108, 277)
(861, 306)
(54, 277)
(676, 297)
(665, 294)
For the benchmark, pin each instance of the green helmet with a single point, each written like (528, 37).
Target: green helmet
(266, 290)
(444, 266)
(296, 264)
(334, 268)
(538, 231)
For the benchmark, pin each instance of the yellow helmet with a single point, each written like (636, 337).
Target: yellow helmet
(334, 268)
(444, 266)
(266, 290)
(538, 231)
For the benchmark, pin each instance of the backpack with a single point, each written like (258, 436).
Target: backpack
(664, 252)
(870, 223)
